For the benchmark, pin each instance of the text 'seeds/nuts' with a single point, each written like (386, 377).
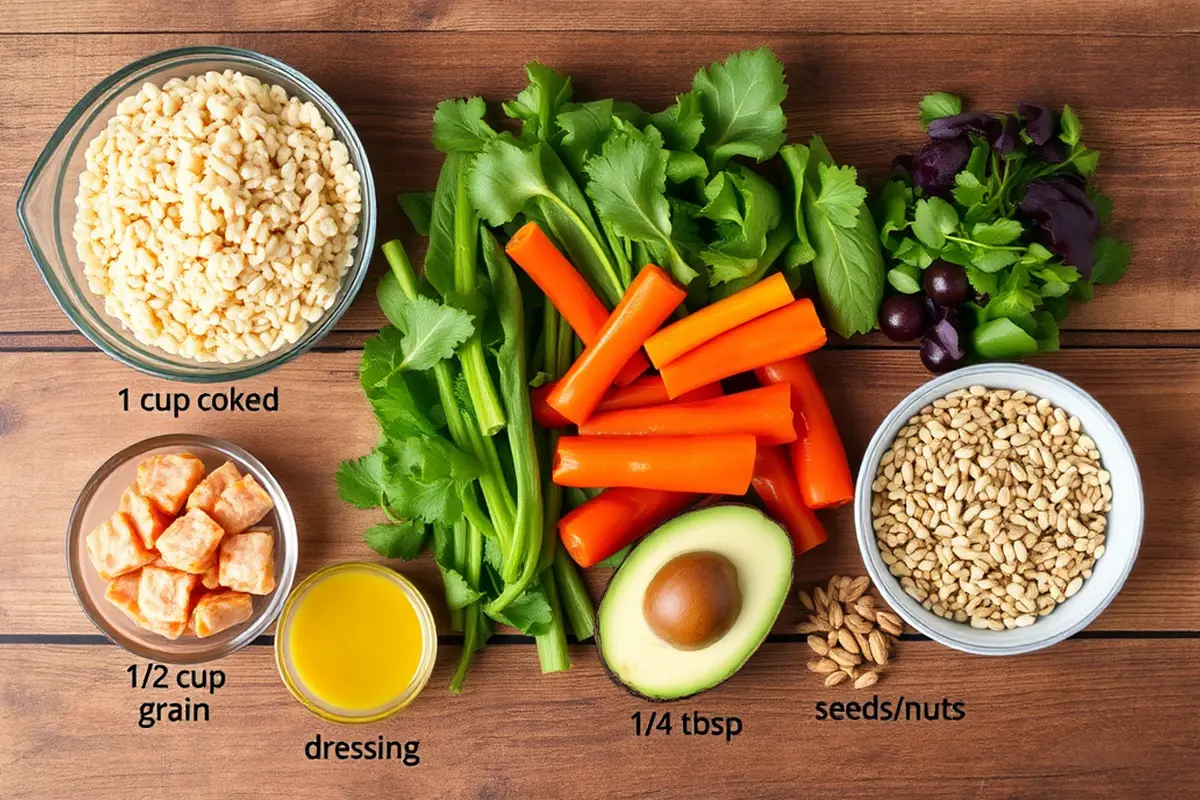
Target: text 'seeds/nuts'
(847, 630)
(990, 508)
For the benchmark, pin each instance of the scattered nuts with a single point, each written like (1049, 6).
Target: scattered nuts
(855, 633)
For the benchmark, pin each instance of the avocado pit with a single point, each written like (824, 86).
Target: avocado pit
(693, 600)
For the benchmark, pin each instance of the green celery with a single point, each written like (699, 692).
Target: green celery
(573, 595)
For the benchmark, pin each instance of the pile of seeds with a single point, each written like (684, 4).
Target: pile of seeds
(851, 632)
(990, 507)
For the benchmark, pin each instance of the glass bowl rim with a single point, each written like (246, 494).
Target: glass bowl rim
(428, 651)
(162, 369)
(288, 537)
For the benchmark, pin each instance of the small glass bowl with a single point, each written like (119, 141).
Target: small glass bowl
(99, 500)
(46, 209)
(291, 678)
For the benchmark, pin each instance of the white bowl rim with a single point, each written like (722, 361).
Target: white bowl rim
(1009, 375)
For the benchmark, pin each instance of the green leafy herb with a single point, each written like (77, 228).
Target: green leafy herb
(740, 102)
(938, 105)
(458, 126)
(402, 540)
(418, 207)
(432, 332)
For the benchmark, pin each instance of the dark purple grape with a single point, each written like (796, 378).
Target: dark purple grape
(941, 347)
(946, 284)
(902, 317)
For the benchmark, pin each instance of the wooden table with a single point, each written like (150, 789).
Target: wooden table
(1109, 713)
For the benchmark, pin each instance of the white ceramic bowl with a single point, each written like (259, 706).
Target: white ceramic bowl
(1123, 536)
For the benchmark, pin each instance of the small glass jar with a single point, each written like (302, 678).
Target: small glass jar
(290, 673)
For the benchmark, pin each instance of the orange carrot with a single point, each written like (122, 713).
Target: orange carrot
(649, 300)
(647, 390)
(700, 464)
(818, 456)
(695, 329)
(616, 518)
(789, 331)
(765, 413)
(562, 284)
(776, 485)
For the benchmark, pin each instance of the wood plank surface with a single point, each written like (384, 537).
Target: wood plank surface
(1070, 722)
(827, 16)
(324, 419)
(1140, 114)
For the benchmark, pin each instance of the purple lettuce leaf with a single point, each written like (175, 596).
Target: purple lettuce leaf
(1040, 122)
(1064, 219)
(935, 165)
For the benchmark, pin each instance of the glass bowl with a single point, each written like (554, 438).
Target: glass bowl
(99, 500)
(1123, 535)
(323, 708)
(46, 209)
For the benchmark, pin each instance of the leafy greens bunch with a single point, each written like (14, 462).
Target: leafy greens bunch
(1003, 205)
(619, 187)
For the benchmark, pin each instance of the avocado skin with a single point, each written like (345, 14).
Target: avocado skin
(612, 676)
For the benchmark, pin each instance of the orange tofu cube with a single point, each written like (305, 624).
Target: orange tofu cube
(218, 611)
(165, 595)
(205, 495)
(122, 592)
(147, 519)
(115, 547)
(171, 630)
(190, 543)
(247, 562)
(168, 478)
(241, 505)
(211, 579)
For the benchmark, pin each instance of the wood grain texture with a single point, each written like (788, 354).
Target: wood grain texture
(1138, 109)
(53, 440)
(836, 16)
(1055, 724)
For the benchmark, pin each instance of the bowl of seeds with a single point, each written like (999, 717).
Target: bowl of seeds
(999, 509)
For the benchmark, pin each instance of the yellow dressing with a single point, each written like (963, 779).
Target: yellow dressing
(355, 640)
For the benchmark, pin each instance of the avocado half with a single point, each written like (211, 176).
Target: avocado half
(637, 659)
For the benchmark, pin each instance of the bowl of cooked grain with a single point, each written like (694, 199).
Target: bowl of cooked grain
(999, 509)
(203, 214)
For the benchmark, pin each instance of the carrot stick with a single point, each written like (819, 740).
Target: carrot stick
(649, 300)
(789, 331)
(695, 329)
(616, 518)
(533, 251)
(765, 413)
(776, 485)
(818, 456)
(647, 390)
(700, 464)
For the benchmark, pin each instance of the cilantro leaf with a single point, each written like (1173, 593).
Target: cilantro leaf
(529, 613)
(1000, 232)
(432, 331)
(538, 104)
(1102, 202)
(627, 183)
(1085, 160)
(1111, 260)
(585, 126)
(799, 249)
(360, 481)
(684, 165)
(400, 411)
(968, 190)
(741, 241)
(425, 477)
(458, 126)
(459, 593)
(681, 124)
(937, 105)
(418, 207)
(993, 260)
(933, 219)
(741, 101)
(1071, 129)
(504, 178)
(840, 197)
(402, 540)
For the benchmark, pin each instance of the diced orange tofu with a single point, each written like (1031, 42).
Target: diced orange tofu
(116, 548)
(241, 505)
(122, 592)
(168, 478)
(171, 630)
(205, 495)
(217, 611)
(147, 519)
(211, 579)
(190, 544)
(248, 562)
(165, 595)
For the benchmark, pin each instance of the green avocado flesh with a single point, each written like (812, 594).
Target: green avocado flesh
(635, 656)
